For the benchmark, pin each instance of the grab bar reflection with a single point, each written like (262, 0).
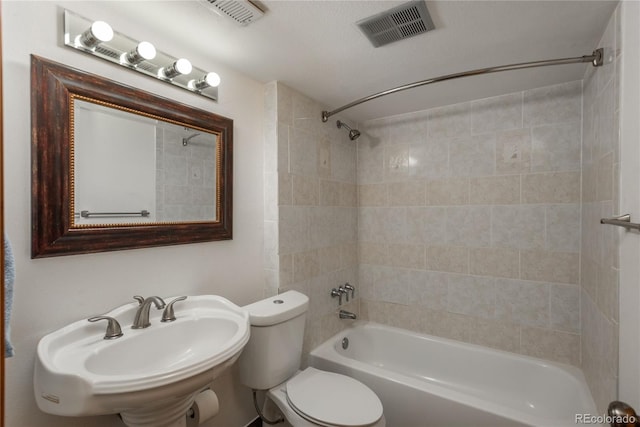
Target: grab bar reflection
(621, 221)
(87, 214)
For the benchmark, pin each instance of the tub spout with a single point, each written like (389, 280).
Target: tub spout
(344, 314)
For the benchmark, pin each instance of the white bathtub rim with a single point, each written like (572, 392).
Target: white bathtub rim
(327, 351)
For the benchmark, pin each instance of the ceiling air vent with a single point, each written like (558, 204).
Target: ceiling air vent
(401, 22)
(242, 12)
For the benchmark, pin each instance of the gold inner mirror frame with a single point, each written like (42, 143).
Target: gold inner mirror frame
(75, 211)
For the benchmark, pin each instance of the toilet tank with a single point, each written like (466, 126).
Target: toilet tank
(273, 352)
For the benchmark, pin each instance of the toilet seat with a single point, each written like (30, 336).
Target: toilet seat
(331, 400)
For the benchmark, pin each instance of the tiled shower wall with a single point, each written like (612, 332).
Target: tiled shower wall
(185, 177)
(600, 198)
(310, 208)
(469, 221)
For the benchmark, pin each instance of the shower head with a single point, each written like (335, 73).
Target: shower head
(353, 133)
(185, 141)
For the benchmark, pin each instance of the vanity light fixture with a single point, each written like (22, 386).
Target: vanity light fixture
(179, 67)
(144, 51)
(210, 79)
(98, 39)
(98, 32)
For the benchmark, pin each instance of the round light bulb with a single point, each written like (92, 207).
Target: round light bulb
(99, 32)
(102, 31)
(183, 66)
(212, 79)
(146, 50)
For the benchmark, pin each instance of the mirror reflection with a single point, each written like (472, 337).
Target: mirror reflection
(131, 168)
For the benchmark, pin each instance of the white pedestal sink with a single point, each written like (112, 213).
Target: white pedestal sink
(150, 376)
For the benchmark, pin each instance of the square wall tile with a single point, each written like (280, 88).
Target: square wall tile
(427, 225)
(518, 226)
(454, 259)
(391, 285)
(452, 191)
(396, 161)
(452, 121)
(428, 289)
(553, 187)
(558, 346)
(429, 158)
(522, 302)
(553, 104)
(406, 193)
(494, 262)
(473, 155)
(513, 151)
(303, 153)
(558, 267)
(565, 307)
(556, 147)
(372, 195)
(563, 227)
(472, 296)
(469, 225)
(497, 113)
(495, 190)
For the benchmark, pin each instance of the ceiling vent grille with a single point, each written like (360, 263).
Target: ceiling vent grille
(242, 12)
(401, 22)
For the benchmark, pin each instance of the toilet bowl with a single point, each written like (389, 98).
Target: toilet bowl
(311, 397)
(318, 398)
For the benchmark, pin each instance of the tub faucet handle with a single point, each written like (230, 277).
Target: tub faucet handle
(344, 291)
(351, 288)
(337, 293)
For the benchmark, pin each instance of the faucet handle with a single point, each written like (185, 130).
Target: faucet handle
(351, 288)
(337, 293)
(344, 291)
(139, 298)
(168, 315)
(113, 327)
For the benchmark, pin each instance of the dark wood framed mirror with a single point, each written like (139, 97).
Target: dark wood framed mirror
(114, 167)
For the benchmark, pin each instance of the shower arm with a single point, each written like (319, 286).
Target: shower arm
(596, 59)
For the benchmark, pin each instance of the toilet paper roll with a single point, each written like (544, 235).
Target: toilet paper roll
(205, 407)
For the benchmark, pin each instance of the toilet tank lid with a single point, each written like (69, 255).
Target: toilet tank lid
(277, 309)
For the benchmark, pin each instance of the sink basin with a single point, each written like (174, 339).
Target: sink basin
(78, 373)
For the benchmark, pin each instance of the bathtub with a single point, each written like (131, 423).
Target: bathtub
(429, 381)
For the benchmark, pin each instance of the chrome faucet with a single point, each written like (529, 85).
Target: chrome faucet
(344, 314)
(141, 320)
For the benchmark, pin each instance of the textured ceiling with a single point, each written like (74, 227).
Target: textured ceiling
(316, 48)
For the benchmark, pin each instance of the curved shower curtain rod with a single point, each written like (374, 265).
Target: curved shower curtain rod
(596, 58)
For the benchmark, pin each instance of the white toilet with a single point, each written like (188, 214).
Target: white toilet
(271, 361)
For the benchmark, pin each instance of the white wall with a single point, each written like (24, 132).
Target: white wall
(51, 293)
(115, 165)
